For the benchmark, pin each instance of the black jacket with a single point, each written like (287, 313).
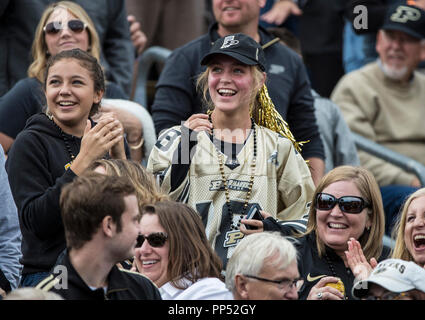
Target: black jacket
(36, 169)
(122, 285)
(176, 98)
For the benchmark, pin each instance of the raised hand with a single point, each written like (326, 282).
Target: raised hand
(280, 11)
(96, 142)
(138, 37)
(357, 262)
(198, 122)
(255, 223)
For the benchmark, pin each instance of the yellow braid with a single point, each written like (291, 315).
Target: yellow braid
(268, 117)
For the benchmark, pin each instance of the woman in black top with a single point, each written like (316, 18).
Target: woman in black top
(346, 205)
(53, 149)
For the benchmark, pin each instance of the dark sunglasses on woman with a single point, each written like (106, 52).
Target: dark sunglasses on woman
(347, 204)
(54, 27)
(156, 240)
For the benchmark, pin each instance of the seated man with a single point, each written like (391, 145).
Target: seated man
(101, 216)
(384, 102)
(393, 279)
(270, 274)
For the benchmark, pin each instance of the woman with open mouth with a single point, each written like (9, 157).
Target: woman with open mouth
(410, 230)
(53, 149)
(346, 216)
(238, 154)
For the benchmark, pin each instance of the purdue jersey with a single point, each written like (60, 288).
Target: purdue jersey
(186, 164)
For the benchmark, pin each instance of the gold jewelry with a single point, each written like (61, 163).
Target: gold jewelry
(224, 180)
(138, 145)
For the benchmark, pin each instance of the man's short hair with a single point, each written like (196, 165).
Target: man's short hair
(87, 200)
(253, 250)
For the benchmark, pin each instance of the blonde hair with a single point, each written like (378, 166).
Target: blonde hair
(262, 109)
(400, 250)
(370, 240)
(144, 182)
(39, 47)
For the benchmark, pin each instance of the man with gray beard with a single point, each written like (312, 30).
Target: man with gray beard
(384, 102)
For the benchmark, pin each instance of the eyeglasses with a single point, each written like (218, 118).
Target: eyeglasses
(284, 284)
(156, 240)
(54, 27)
(390, 296)
(347, 204)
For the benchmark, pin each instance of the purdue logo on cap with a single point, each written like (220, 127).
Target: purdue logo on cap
(404, 14)
(229, 41)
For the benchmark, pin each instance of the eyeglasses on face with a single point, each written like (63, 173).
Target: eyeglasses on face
(156, 240)
(54, 27)
(347, 204)
(284, 284)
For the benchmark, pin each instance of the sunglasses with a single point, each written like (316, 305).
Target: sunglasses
(54, 27)
(347, 204)
(156, 240)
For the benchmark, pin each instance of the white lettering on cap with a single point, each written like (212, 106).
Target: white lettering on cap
(404, 14)
(229, 41)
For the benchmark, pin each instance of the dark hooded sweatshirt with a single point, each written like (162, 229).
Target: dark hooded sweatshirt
(36, 169)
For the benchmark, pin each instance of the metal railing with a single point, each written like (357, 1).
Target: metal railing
(402, 161)
(145, 61)
(397, 159)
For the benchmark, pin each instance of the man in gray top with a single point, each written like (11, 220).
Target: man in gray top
(10, 234)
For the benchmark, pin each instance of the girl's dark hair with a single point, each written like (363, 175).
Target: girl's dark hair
(85, 60)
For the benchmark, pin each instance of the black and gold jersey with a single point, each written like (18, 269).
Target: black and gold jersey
(186, 165)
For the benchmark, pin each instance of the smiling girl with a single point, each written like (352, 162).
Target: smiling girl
(53, 149)
(223, 162)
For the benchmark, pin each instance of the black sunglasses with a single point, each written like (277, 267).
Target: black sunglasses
(347, 204)
(54, 27)
(156, 240)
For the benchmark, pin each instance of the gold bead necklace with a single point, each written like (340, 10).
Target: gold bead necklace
(225, 181)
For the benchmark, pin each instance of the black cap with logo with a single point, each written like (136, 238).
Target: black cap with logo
(239, 46)
(406, 18)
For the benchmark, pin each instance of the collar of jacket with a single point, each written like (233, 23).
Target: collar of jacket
(266, 39)
(114, 279)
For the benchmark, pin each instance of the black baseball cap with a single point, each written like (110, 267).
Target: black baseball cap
(239, 46)
(406, 18)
